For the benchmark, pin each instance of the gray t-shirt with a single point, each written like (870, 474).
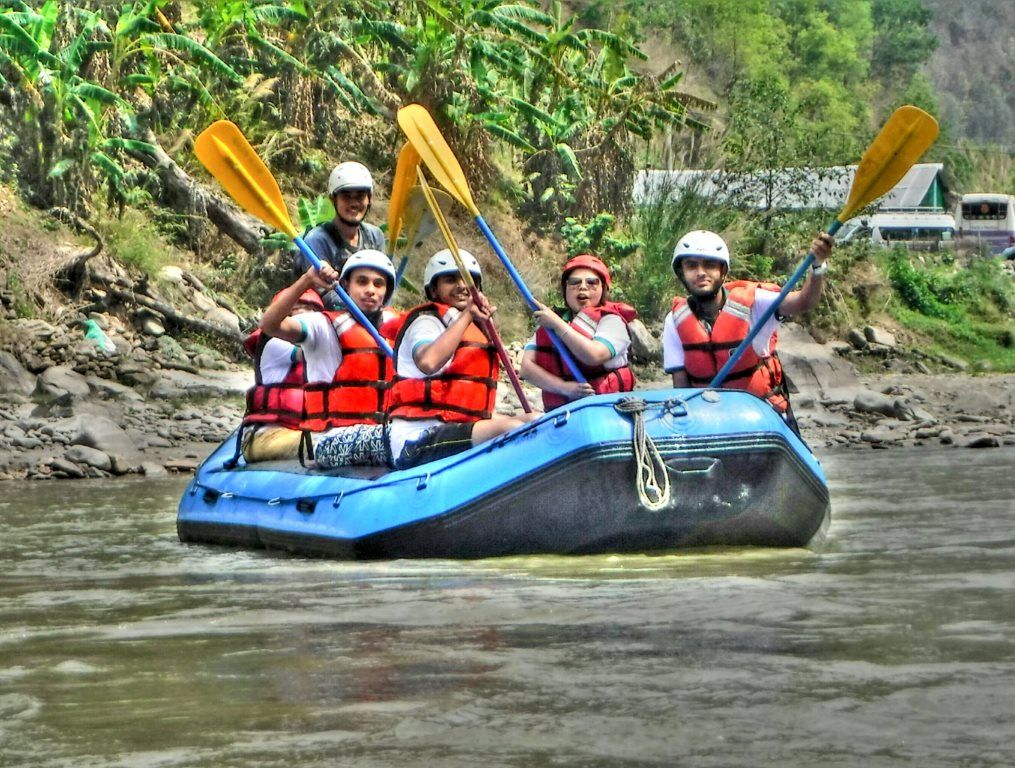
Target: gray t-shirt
(334, 250)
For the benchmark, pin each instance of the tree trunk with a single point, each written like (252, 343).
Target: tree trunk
(73, 274)
(186, 196)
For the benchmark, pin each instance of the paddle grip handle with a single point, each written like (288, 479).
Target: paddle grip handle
(563, 351)
(355, 311)
(720, 377)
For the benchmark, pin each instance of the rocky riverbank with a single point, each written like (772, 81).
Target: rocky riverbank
(148, 405)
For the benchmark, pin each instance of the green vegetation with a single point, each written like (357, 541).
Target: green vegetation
(550, 106)
(963, 309)
(95, 91)
(15, 287)
(135, 242)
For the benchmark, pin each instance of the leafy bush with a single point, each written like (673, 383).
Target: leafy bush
(965, 310)
(926, 293)
(133, 241)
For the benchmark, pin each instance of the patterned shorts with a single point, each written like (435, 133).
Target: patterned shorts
(356, 445)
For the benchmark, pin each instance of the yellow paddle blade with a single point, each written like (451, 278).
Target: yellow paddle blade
(225, 152)
(906, 135)
(405, 178)
(417, 221)
(423, 133)
(445, 229)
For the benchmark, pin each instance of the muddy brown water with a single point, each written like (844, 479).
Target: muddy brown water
(891, 644)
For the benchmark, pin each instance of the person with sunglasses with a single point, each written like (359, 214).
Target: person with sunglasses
(594, 330)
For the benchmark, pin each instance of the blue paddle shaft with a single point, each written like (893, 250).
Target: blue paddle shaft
(401, 271)
(720, 377)
(355, 311)
(562, 350)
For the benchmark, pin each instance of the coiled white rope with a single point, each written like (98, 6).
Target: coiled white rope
(652, 495)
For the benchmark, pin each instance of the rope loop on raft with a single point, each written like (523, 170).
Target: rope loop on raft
(652, 495)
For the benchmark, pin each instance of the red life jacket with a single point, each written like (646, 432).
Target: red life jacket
(705, 353)
(603, 381)
(356, 393)
(280, 403)
(464, 391)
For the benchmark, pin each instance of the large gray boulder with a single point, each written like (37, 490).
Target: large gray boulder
(105, 435)
(867, 401)
(92, 457)
(645, 347)
(812, 368)
(223, 317)
(14, 377)
(61, 380)
(181, 385)
(876, 335)
(112, 390)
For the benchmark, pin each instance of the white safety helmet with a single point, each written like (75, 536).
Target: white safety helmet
(375, 260)
(701, 244)
(350, 175)
(443, 263)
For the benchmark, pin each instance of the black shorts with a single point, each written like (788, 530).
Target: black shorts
(436, 443)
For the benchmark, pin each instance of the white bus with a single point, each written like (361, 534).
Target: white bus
(987, 221)
(917, 230)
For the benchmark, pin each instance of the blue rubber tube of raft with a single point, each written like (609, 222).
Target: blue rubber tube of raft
(355, 311)
(565, 353)
(720, 377)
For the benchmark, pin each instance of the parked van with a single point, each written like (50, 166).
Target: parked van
(918, 230)
(987, 221)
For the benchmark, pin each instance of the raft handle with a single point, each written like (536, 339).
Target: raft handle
(695, 466)
(306, 506)
(561, 419)
(275, 502)
(676, 407)
(422, 482)
(338, 499)
(210, 496)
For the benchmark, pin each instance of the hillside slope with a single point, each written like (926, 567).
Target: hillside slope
(973, 68)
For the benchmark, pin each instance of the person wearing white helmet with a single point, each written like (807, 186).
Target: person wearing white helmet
(343, 411)
(442, 397)
(350, 188)
(702, 330)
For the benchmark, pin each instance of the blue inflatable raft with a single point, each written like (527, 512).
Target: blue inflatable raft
(566, 484)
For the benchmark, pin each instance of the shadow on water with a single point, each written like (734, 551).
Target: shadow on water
(891, 644)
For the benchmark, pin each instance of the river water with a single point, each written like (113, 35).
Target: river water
(891, 644)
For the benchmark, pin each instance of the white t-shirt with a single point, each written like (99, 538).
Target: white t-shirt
(277, 358)
(673, 350)
(425, 329)
(612, 332)
(321, 350)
